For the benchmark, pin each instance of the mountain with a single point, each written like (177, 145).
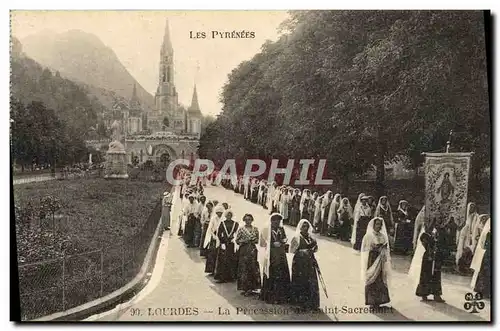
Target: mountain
(30, 81)
(84, 58)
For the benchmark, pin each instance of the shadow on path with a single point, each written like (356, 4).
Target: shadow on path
(452, 311)
(394, 315)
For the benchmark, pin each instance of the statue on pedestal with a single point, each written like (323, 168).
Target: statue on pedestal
(116, 157)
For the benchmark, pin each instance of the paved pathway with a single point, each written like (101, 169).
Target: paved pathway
(179, 290)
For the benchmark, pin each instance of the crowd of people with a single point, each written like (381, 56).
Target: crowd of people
(231, 253)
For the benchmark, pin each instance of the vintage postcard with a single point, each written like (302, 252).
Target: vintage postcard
(323, 166)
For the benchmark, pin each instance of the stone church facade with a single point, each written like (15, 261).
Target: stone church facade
(174, 130)
(168, 116)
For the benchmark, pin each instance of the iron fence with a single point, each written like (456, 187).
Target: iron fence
(55, 285)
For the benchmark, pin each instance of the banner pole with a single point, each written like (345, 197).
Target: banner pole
(448, 143)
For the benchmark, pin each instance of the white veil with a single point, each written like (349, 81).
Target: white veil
(380, 207)
(265, 241)
(416, 262)
(176, 206)
(477, 229)
(348, 208)
(419, 224)
(213, 226)
(302, 198)
(479, 252)
(357, 207)
(332, 213)
(464, 238)
(358, 203)
(369, 274)
(295, 242)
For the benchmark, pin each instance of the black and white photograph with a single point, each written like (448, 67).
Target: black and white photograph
(251, 166)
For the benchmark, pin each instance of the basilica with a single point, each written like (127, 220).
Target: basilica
(168, 116)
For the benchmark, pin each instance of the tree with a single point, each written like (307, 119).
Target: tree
(38, 134)
(358, 88)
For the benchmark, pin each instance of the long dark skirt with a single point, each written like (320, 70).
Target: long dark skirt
(324, 222)
(305, 288)
(248, 268)
(197, 232)
(189, 230)
(255, 195)
(277, 288)
(361, 231)
(203, 251)
(305, 215)
(429, 283)
(227, 264)
(344, 230)
(403, 238)
(377, 292)
(465, 260)
(483, 282)
(211, 257)
(294, 216)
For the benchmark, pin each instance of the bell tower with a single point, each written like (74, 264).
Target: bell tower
(166, 98)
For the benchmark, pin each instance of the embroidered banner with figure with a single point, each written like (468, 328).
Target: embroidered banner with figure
(446, 185)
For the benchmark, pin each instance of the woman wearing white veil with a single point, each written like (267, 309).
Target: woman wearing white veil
(425, 268)
(403, 229)
(481, 279)
(211, 242)
(276, 274)
(325, 211)
(476, 236)
(332, 220)
(477, 229)
(227, 261)
(419, 224)
(206, 216)
(305, 287)
(345, 217)
(361, 219)
(358, 203)
(464, 253)
(176, 206)
(295, 210)
(248, 266)
(270, 196)
(376, 263)
(318, 202)
(304, 204)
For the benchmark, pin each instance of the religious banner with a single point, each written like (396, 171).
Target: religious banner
(446, 185)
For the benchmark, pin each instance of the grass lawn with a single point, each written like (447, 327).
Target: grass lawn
(95, 213)
(117, 216)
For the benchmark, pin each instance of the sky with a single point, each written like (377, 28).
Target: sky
(136, 38)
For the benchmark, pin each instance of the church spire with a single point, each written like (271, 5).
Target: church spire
(134, 101)
(194, 100)
(167, 44)
(195, 107)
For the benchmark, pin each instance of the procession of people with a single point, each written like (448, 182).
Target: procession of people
(230, 246)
